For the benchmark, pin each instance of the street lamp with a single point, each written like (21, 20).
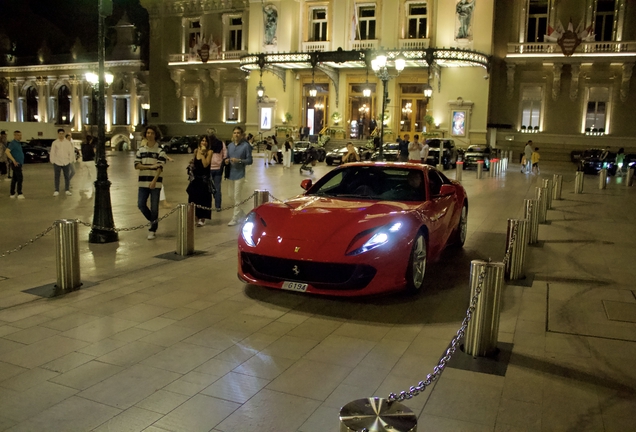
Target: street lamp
(380, 68)
(103, 230)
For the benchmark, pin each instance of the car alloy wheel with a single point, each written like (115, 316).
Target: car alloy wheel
(462, 227)
(417, 264)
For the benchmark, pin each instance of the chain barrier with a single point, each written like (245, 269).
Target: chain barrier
(137, 227)
(275, 199)
(228, 207)
(20, 247)
(454, 342)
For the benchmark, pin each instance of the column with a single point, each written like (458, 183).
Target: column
(43, 98)
(76, 106)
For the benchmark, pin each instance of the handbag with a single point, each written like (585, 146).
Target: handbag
(226, 170)
(211, 186)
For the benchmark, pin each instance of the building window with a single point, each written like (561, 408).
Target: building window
(194, 33)
(234, 33)
(121, 112)
(89, 108)
(318, 26)
(366, 22)
(30, 105)
(531, 107)
(4, 109)
(63, 112)
(191, 109)
(604, 21)
(232, 109)
(596, 112)
(416, 21)
(537, 20)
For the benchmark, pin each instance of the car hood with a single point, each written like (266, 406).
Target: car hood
(322, 227)
(475, 154)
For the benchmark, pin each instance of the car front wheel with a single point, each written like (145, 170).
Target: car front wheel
(417, 264)
(459, 235)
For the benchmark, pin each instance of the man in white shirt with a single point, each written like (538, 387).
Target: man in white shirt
(62, 156)
(424, 152)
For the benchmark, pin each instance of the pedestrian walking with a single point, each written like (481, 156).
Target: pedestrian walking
(403, 154)
(199, 189)
(62, 156)
(424, 152)
(526, 166)
(414, 150)
(534, 158)
(288, 152)
(75, 156)
(620, 161)
(219, 154)
(239, 156)
(150, 160)
(3, 157)
(87, 150)
(274, 155)
(16, 155)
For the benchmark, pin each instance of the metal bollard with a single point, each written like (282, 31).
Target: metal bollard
(185, 229)
(541, 197)
(459, 169)
(481, 335)
(480, 169)
(557, 180)
(547, 183)
(377, 415)
(504, 166)
(493, 168)
(67, 255)
(261, 197)
(630, 176)
(532, 216)
(578, 182)
(602, 179)
(515, 267)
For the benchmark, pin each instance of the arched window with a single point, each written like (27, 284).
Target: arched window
(4, 100)
(31, 105)
(63, 105)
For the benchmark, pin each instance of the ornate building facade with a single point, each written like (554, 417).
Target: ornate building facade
(56, 92)
(290, 64)
(563, 73)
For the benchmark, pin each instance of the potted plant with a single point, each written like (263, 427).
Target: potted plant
(430, 121)
(336, 118)
(288, 117)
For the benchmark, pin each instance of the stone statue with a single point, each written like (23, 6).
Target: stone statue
(464, 10)
(270, 19)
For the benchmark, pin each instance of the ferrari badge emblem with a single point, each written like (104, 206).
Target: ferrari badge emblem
(296, 249)
(295, 270)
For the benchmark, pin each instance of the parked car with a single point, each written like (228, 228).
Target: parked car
(34, 153)
(182, 144)
(300, 147)
(42, 142)
(390, 151)
(475, 153)
(449, 156)
(334, 157)
(592, 161)
(372, 230)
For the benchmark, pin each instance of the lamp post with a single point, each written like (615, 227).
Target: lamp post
(380, 68)
(103, 223)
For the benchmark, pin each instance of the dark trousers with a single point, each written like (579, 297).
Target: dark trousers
(152, 213)
(16, 180)
(216, 176)
(66, 169)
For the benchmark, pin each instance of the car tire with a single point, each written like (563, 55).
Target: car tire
(417, 264)
(458, 237)
(329, 161)
(321, 156)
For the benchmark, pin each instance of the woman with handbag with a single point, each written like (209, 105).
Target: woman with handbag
(219, 154)
(200, 189)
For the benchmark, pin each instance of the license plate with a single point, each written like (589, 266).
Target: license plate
(295, 286)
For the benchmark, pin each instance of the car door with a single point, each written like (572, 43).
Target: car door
(440, 212)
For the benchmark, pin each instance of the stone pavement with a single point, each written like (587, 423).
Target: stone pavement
(161, 345)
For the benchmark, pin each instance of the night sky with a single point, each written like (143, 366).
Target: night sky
(27, 23)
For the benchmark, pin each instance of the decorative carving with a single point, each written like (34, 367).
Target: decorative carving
(627, 76)
(556, 80)
(334, 76)
(215, 76)
(574, 84)
(280, 73)
(510, 75)
(270, 24)
(203, 77)
(176, 75)
(464, 10)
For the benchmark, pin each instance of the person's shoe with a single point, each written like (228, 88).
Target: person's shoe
(232, 222)
(13, 196)
(21, 196)
(218, 209)
(151, 235)
(69, 193)
(56, 193)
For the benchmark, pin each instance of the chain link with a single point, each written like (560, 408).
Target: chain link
(137, 227)
(228, 207)
(275, 199)
(20, 247)
(454, 342)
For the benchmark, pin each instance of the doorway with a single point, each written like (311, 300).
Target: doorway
(413, 107)
(362, 109)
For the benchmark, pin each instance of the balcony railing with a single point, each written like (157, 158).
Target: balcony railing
(584, 48)
(316, 46)
(361, 45)
(414, 44)
(223, 55)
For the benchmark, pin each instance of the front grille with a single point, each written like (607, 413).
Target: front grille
(332, 276)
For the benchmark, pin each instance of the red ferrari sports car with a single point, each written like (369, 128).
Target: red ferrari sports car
(363, 228)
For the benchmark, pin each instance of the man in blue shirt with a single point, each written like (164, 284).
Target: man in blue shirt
(16, 156)
(403, 155)
(239, 155)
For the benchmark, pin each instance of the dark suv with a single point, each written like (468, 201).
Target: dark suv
(475, 153)
(449, 156)
(182, 144)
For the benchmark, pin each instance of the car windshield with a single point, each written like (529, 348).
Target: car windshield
(391, 146)
(301, 145)
(477, 149)
(373, 183)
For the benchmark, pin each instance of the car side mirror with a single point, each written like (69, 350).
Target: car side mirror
(306, 184)
(447, 189)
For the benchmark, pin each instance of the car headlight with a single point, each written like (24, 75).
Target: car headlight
(379, 237)
(247, 231)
